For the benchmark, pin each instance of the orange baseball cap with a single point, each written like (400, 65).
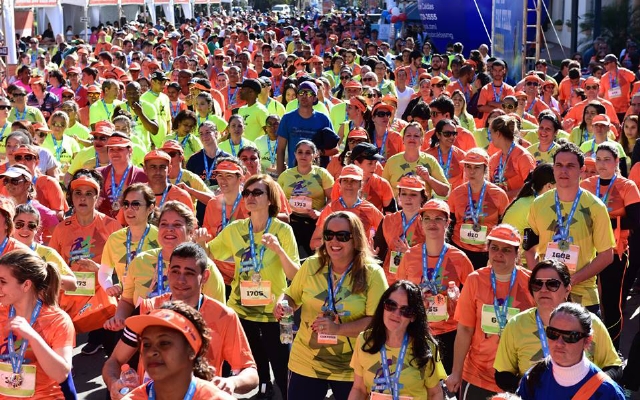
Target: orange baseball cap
(382, 106)
(411, 182)
(358, 133)
(520, 93)
(592, 80)
(94, 89)
(533, 78)
(157, 155)
(353, 84)
(230, 167)
(118, 141)
(476, 156)
(389, 99)
(134, 66)
(84, 180)
(436, 79)
(601, 119)
(315, 59)
(74, 70)
(172, 145)
(590, 161)
(354, 101)
(505, 233)
(24, 150)
(40, 126)
(169, 319)
(436, 205)
(351, 171)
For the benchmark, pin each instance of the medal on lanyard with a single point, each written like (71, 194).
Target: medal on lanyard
(97, 160)
(116, 190)
(446, 167)
(257, 259)
(130, 255)
(225, 220)
(272, 153)
(605, 198)
(562, 237)
(474, 212)
(542, 335)
(431, 284)
(58, 148)
(17, 359)
(501, 312)
(394, 383)
(344, 205)
(531, 106)
(329, 308)
(233, 148)
(174, 112)
(208, 171)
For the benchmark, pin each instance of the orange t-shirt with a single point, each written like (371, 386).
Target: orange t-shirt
(393, 146)
(566, 88)
(490, 93)
(56, 329)
(455, 267)
(392, 229)
(213, 223)
(228, 340)
(377, 191)
(49, 193)
(494, 204)
(335, 168)
(609, 80)
(456, 173)
(478, 365)
(464, 140)
(518, 165)
(535, 108)
(175, 193)
(576, 112)
(457, 85)
(204, 391)
(623, 193)
(367, 212)
(634, 174)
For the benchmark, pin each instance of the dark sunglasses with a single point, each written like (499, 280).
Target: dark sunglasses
(133, 204)
(254, 193)
(343, 77)
(27, 157)
(532, 83)
(13, 181)
(101, 138)
(367, 79)
(372, 95)
(19, 94)
(42, 135)
(594, 87)
(383, 114)
(31, 225)
(508, 106)
(441, 85)
(552, 284)
(219, 57)
(448, 133)
(3, 107)
(569, 337)
(173, 154)
(405, 311)
(341, 236)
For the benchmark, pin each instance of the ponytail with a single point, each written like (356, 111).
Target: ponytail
(52, 285)
(26, 265)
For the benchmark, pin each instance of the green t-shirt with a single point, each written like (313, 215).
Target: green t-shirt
(590, 147)
(311, 185)
(79, 130)
(63, 150)
(397, 167)
(190, 144)
(101, 111)
(255, 118)
(30, 114)
(235, 149)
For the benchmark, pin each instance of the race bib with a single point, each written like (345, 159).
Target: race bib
(86, 282)
(323, 338)
(568, 256)
(436, 307)
(17, 385)
(383, 396)
(303, 202)
(473, 234)
(394, 261)
(489, 321)
(255, 293)
(614, 92)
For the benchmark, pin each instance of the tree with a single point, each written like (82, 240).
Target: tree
(619, 21)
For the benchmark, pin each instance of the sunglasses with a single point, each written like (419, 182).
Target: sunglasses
(32, 226)
(532, 83)
(367, 79)
(57, 125)
(508, 106)
(372, 95)
(27, 157)
(3, 107)
(552, 284)
(254, 193)
(68, 96)
(306, 93)
(343, 77)
(173, 154)
(392, 306)
(441, 85)
(133, 204)
(13, 181)
(341, 236)
(19, 94)
(42, 135)
(594, 87)
(219, 57)
(448, 133)
(383, 114)
(569, 337)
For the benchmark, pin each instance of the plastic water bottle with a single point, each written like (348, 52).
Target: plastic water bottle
(129, 378)
(286, 323)
(453, 292)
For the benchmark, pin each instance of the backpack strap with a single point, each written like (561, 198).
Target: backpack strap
(589, 388)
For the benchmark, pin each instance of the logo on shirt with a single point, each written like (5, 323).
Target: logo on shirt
(81, 249)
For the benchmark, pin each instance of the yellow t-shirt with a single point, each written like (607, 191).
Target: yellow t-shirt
(543, 156)
(63, 151)
(309, 289)
(267, 159)
(190, 144)
(255, 118)
(397, 167)
(233, 241)
(520, 347)
(78, 130)
(516, 216)
(274, 107)
(32, 115)
(101, 111)
(220, 123)
(414, 381)
(193, 181)
(138, 129)
(590, 229)
(51, 255)
(162, 104)
(310, 185)
(114, 254)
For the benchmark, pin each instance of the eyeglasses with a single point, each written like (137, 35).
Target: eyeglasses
(341, 236)
(383, 114)
(594, 87)
(437, 220)
(552, 284)
(32, 226)
(173, 154)
(27, 157)
(532, 83)
(448, 133)
(57, 125)
(343, 77)
(372, 95)
(405, 311)
(42, 135)
(254, 193)
(508, 106)
(3, 107)
(133, 204)
(19, 94)
(569, 337)
(306, 93)
(13, 181)
(436, 113)
(441, 85)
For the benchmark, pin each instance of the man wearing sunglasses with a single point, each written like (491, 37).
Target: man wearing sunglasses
(443, 108)
(79, 90)
(157, 167)
(591, 90)
(616, 84)
(534, 105)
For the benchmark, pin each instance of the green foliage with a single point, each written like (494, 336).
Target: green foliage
(618, 21)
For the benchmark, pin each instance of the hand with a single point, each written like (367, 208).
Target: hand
(114, 324)
(271, 242)
(202, 236)
(278, 311)
(137, 108)
(401, 245)
(184, 186)
(568, 123)
(225, 384)
(87, 264)
(423, 173)
(114, 291)
(114, 390)
(325, 325)
(21, 327)
(453, 382)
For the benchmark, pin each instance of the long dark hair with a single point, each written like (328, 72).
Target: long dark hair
(536, 180)
(418, 330)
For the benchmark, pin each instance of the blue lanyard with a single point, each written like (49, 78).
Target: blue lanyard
(233, 149)
(97, 160)
(58, 148)
(232, 97)
(357, 203)
(605, 199)
(394, 383)
(272, 153)
(161, 288)
(164, 195)
(3, 245)
(332, 293)
(431, 283)
(33, 246)
(104, 104)
(226, 221)
(184, 141)
(179, 178)
(553, 144)
(474, 212)
(543, 336)
(188, 396)
(613, 82)
(503, 163)
(115, 190)
(593, 148)
(208, 171)
(563, 226)
(501, 312)
(18, 358)
(200, 123)
(497, 97)
(585, 136)
(174, 112)
(257, 261)
(446, 167)
(533, 103)
(405, 225)
(3, 129)
(130, 255)
(23, 116)
(384, 144)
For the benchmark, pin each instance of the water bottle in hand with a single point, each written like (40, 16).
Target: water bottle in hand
(129, 378)
(453, 292)
(286, 323)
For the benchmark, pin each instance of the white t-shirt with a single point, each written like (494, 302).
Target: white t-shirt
(403, 100)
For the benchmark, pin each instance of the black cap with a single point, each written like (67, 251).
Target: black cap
(253, 84)
(367, 151)
(158, 75)
(609, 58)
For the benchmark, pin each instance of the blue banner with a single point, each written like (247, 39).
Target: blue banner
(507, 36)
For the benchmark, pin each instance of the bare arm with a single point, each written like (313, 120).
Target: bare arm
(460, 350)
(281, 151)
(592, 269)
(353, 328)
(242, 382)
(111, 369)
(359, 390)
